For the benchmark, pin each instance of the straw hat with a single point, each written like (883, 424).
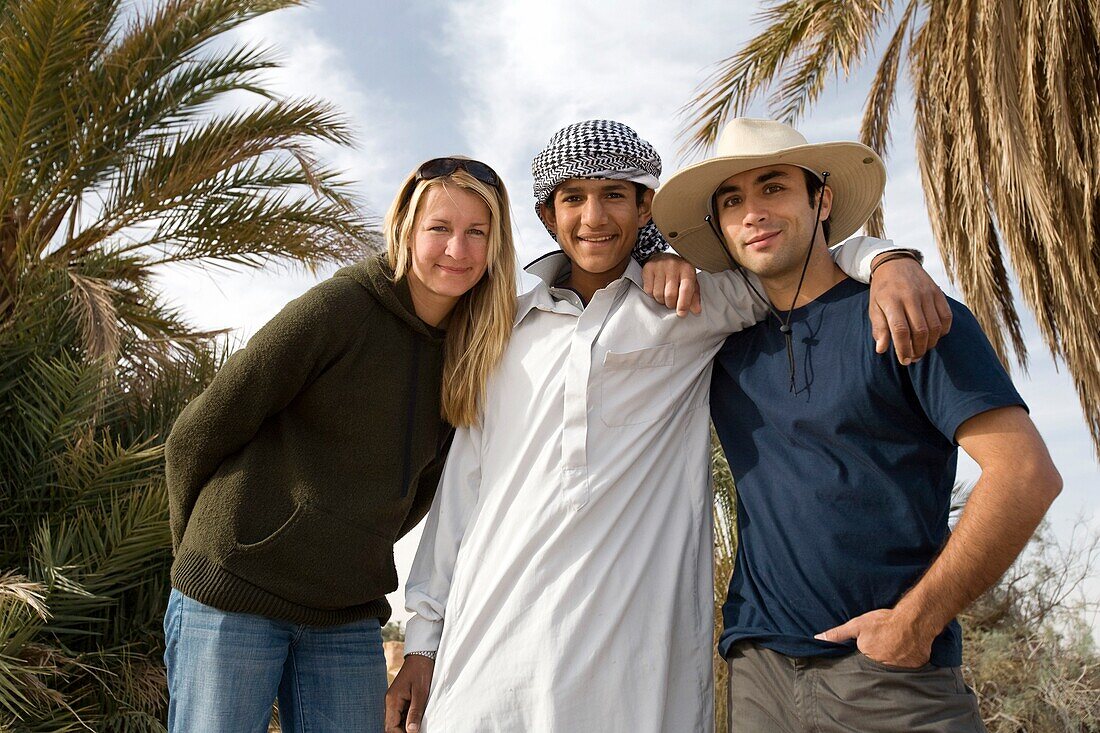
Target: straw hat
(856, 176)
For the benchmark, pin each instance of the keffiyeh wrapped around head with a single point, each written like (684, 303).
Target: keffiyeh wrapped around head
(599, 149)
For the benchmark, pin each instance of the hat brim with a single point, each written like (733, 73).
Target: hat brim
(857, 178)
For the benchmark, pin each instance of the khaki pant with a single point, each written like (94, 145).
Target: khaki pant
(772, 693)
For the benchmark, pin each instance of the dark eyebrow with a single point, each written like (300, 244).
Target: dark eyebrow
(762, 178)
(769, 175)
(726, 189)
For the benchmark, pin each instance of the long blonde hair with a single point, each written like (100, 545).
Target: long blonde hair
(481, 322)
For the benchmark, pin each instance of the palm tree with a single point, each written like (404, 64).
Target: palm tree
(1007, 137)
(116, 158)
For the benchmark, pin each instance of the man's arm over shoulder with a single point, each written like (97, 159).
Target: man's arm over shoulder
(906, 305)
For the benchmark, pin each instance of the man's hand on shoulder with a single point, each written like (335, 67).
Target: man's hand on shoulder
(906, 306)
(672, 282)
(408, 694)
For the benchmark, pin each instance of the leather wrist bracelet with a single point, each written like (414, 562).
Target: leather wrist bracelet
(889, 257)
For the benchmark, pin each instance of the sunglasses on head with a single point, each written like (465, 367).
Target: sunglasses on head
(439, 167)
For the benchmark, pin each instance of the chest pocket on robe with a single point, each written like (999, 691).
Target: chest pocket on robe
(634, 385)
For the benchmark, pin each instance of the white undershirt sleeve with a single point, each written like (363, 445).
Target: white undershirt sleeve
(856, 254)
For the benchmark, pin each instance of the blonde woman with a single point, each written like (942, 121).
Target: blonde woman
(314, 449)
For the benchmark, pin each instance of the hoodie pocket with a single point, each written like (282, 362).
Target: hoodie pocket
(318, 560)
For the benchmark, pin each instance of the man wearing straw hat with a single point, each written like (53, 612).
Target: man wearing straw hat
(564, 575)
(840, 613)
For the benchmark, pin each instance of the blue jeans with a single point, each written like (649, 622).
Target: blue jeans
(225, 670)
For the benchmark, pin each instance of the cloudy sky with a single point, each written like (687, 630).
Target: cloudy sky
(493, 79)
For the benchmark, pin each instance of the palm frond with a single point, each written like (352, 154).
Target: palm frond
(41, 43)
(101, 470)
(995, 181)
(821, 37)
(156, 77)
(737, 79)
(96, 562)
(951, 147)
(161, 384)
(93, 305)
(142, 88)
(135, 113)
(246, 229)
(725, 552)
(874, 131)
(136, 151)
(16, 588)
(839, 34)
(215, 156)
(55, 403)
(141, 690)
(25, 667)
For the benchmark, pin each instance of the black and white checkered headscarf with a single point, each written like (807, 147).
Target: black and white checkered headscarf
(600, 149)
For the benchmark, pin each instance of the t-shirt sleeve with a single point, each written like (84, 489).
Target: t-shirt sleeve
(961, 377)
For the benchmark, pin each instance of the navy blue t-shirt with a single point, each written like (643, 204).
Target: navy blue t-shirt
(844, 486)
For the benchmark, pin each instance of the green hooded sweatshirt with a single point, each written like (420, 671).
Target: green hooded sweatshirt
(314, 449)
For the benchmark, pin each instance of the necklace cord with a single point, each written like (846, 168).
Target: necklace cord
(784, 323)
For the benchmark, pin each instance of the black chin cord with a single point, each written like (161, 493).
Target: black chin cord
(784, 323)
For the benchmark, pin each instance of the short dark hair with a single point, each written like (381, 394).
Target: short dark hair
(814, 186)
(639, 194)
